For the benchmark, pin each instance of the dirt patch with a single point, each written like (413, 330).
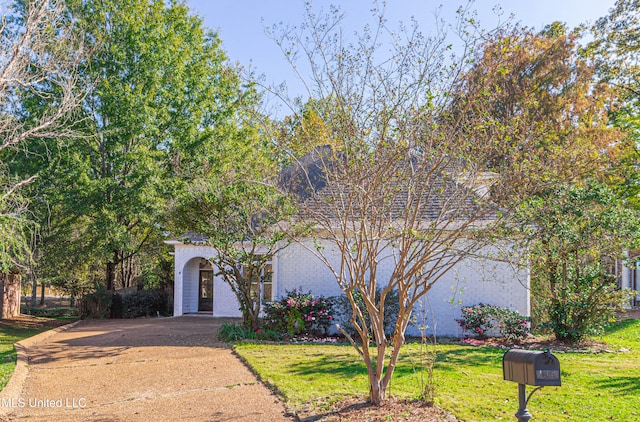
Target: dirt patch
(630, 313)
(393, 409)
(539, 343)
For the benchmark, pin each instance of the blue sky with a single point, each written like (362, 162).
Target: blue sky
(241, 23)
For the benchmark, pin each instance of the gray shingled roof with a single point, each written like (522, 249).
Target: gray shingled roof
(306, 176)
(445, 197)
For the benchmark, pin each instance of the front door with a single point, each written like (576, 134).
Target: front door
(205, 300)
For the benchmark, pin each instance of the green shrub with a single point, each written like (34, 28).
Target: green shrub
(144, 303)
(584, 307)
(238, 332)
(116, 306)
(299, 313)
(343, 311)
(97, 304)
(478, 319)
(235, 332)
(54, 312)
(511, 324)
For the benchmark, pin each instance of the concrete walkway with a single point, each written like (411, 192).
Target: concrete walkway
(158, 369)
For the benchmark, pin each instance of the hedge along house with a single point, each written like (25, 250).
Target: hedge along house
(482, 277)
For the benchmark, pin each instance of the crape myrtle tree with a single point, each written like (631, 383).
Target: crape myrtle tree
(238, 207)
(39, 57)
(159, 95)
(424, 161)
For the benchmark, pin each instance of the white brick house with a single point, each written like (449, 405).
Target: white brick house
(476, 279)
(473, 281)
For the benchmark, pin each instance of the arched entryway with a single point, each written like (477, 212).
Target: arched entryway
(198, 286)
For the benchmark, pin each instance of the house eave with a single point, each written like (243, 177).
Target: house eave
(189, 238)
(173, 242)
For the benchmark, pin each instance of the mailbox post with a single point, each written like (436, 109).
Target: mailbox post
(530, 368)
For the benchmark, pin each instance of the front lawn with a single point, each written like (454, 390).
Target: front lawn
(595, 386)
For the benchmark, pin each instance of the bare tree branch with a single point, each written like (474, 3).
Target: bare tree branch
(39, 57)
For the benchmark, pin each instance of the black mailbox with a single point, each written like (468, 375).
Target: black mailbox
(531, 367)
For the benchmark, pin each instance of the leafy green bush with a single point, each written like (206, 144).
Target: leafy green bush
(478, 319)
(238, 332)
(54, 312)
(584, 307)
(511, 324)
(235, 332)
(116, 306)
(299, 313)
(97, 304)
(144, 303)
(343, 311)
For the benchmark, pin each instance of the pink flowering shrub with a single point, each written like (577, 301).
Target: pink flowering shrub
(299, 313)
(478, 319)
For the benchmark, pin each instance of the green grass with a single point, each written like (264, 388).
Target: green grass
(595, 386)
(11, 333)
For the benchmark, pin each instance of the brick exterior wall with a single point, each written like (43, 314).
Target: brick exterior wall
(473, 281)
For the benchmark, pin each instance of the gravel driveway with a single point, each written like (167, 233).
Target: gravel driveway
(157, 369)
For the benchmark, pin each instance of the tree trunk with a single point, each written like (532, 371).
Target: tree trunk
(380, 376)
(34, 290)
(10, 287)
(42, 294)
(111, 274)
(377, 392)
(255, 320)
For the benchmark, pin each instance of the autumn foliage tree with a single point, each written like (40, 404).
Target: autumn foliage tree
(557, 146)
(431, 150)
(300, 133)
(616, 53)
(541, 116)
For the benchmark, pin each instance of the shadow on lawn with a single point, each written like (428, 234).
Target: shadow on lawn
(623, 324)
(348, 365)
(452, 360)
(620, 386)
(7, 356)
(345, 365)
